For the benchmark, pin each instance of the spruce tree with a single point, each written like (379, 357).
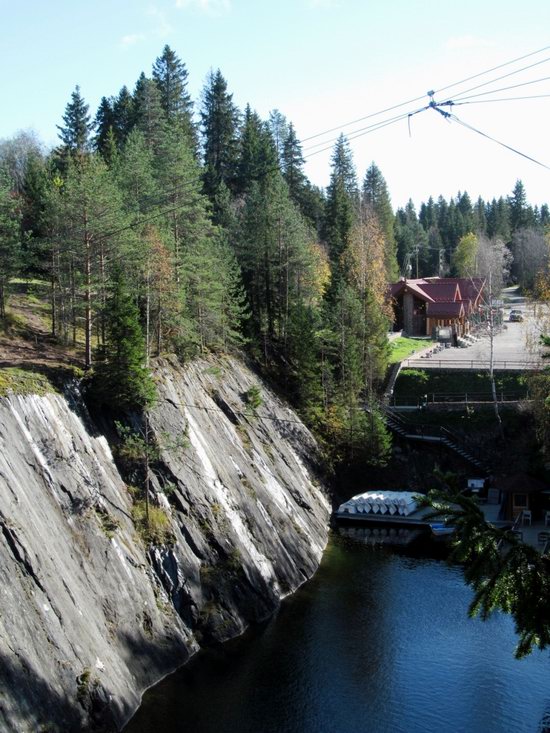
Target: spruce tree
(219, 123)
(149, 115)
(104, 126)
(292, 162)
(257, 154)
(75, 131)
(375, 195)
(521, 214)
(279, 129)
(121, 378)
(342, 204)
(123, 115)
(170, 76)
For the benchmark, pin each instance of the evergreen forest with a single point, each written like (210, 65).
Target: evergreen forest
(163, 224)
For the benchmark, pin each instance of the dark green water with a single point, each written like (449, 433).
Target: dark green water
(376, 642)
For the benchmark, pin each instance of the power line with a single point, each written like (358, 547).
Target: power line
(361, 119)
(355, 133)
(504, 89)
(437, 91)
(372, 128)
(494, 68)
(498, 142)
(504, 99)
(499, 78)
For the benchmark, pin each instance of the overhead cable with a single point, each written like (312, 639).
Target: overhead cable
(454, 118)
(437, 91)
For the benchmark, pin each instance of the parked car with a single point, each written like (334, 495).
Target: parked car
(516, 315)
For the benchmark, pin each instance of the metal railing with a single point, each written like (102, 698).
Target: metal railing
(502, 364)
(439, 398)
(437, 433)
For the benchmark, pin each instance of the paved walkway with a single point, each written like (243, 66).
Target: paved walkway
(515, 345)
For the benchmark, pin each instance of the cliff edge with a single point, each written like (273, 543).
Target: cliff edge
(93, 612)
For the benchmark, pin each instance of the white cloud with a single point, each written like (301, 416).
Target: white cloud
(209, 7)
(131, 39)
(460, 43)
(161, 27)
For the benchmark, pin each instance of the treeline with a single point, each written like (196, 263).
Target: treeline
(162, 224)
(165, 227)
(433, 238)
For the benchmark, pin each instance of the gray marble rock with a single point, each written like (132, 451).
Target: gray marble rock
(91, 615)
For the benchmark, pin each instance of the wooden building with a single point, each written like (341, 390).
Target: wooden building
(423, 305)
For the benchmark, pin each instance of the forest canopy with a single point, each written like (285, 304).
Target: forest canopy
(189, 226)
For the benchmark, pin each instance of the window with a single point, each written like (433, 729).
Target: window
(520, 500)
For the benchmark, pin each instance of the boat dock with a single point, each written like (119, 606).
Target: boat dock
(389, 508)
(417, 518)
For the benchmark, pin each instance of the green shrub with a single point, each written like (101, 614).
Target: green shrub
(253, 397)
(156, 531)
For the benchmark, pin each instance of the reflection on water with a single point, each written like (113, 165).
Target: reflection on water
(376, 642)
(393, 536)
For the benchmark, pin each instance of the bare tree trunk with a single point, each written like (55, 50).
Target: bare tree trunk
(73, 299)
(146, 467)
(87, 296)
(147, 312)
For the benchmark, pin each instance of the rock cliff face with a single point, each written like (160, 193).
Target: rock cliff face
(89, 614)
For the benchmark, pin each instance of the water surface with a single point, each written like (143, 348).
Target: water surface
(376, 642)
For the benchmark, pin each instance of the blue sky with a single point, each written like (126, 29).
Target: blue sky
(321, 62)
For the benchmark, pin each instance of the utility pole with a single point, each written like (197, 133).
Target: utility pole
(491, 357)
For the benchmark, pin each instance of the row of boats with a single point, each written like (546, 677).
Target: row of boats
(392, 507)
(402, 503)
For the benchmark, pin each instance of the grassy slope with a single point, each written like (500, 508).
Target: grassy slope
(403, 347)
(418, 382)
(30, 359)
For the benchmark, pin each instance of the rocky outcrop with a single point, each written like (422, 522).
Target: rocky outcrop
(91, 614)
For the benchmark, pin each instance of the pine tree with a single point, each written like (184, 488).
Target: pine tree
(121, 378)
(135, 174)
(88, 230)
(75, 132)
(178, 176)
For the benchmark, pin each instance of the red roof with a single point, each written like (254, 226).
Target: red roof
(414, 286)
(470, 287)
(453, 309)
(443, 291)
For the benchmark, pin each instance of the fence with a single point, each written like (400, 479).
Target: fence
(441, 398)
(501, 364)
